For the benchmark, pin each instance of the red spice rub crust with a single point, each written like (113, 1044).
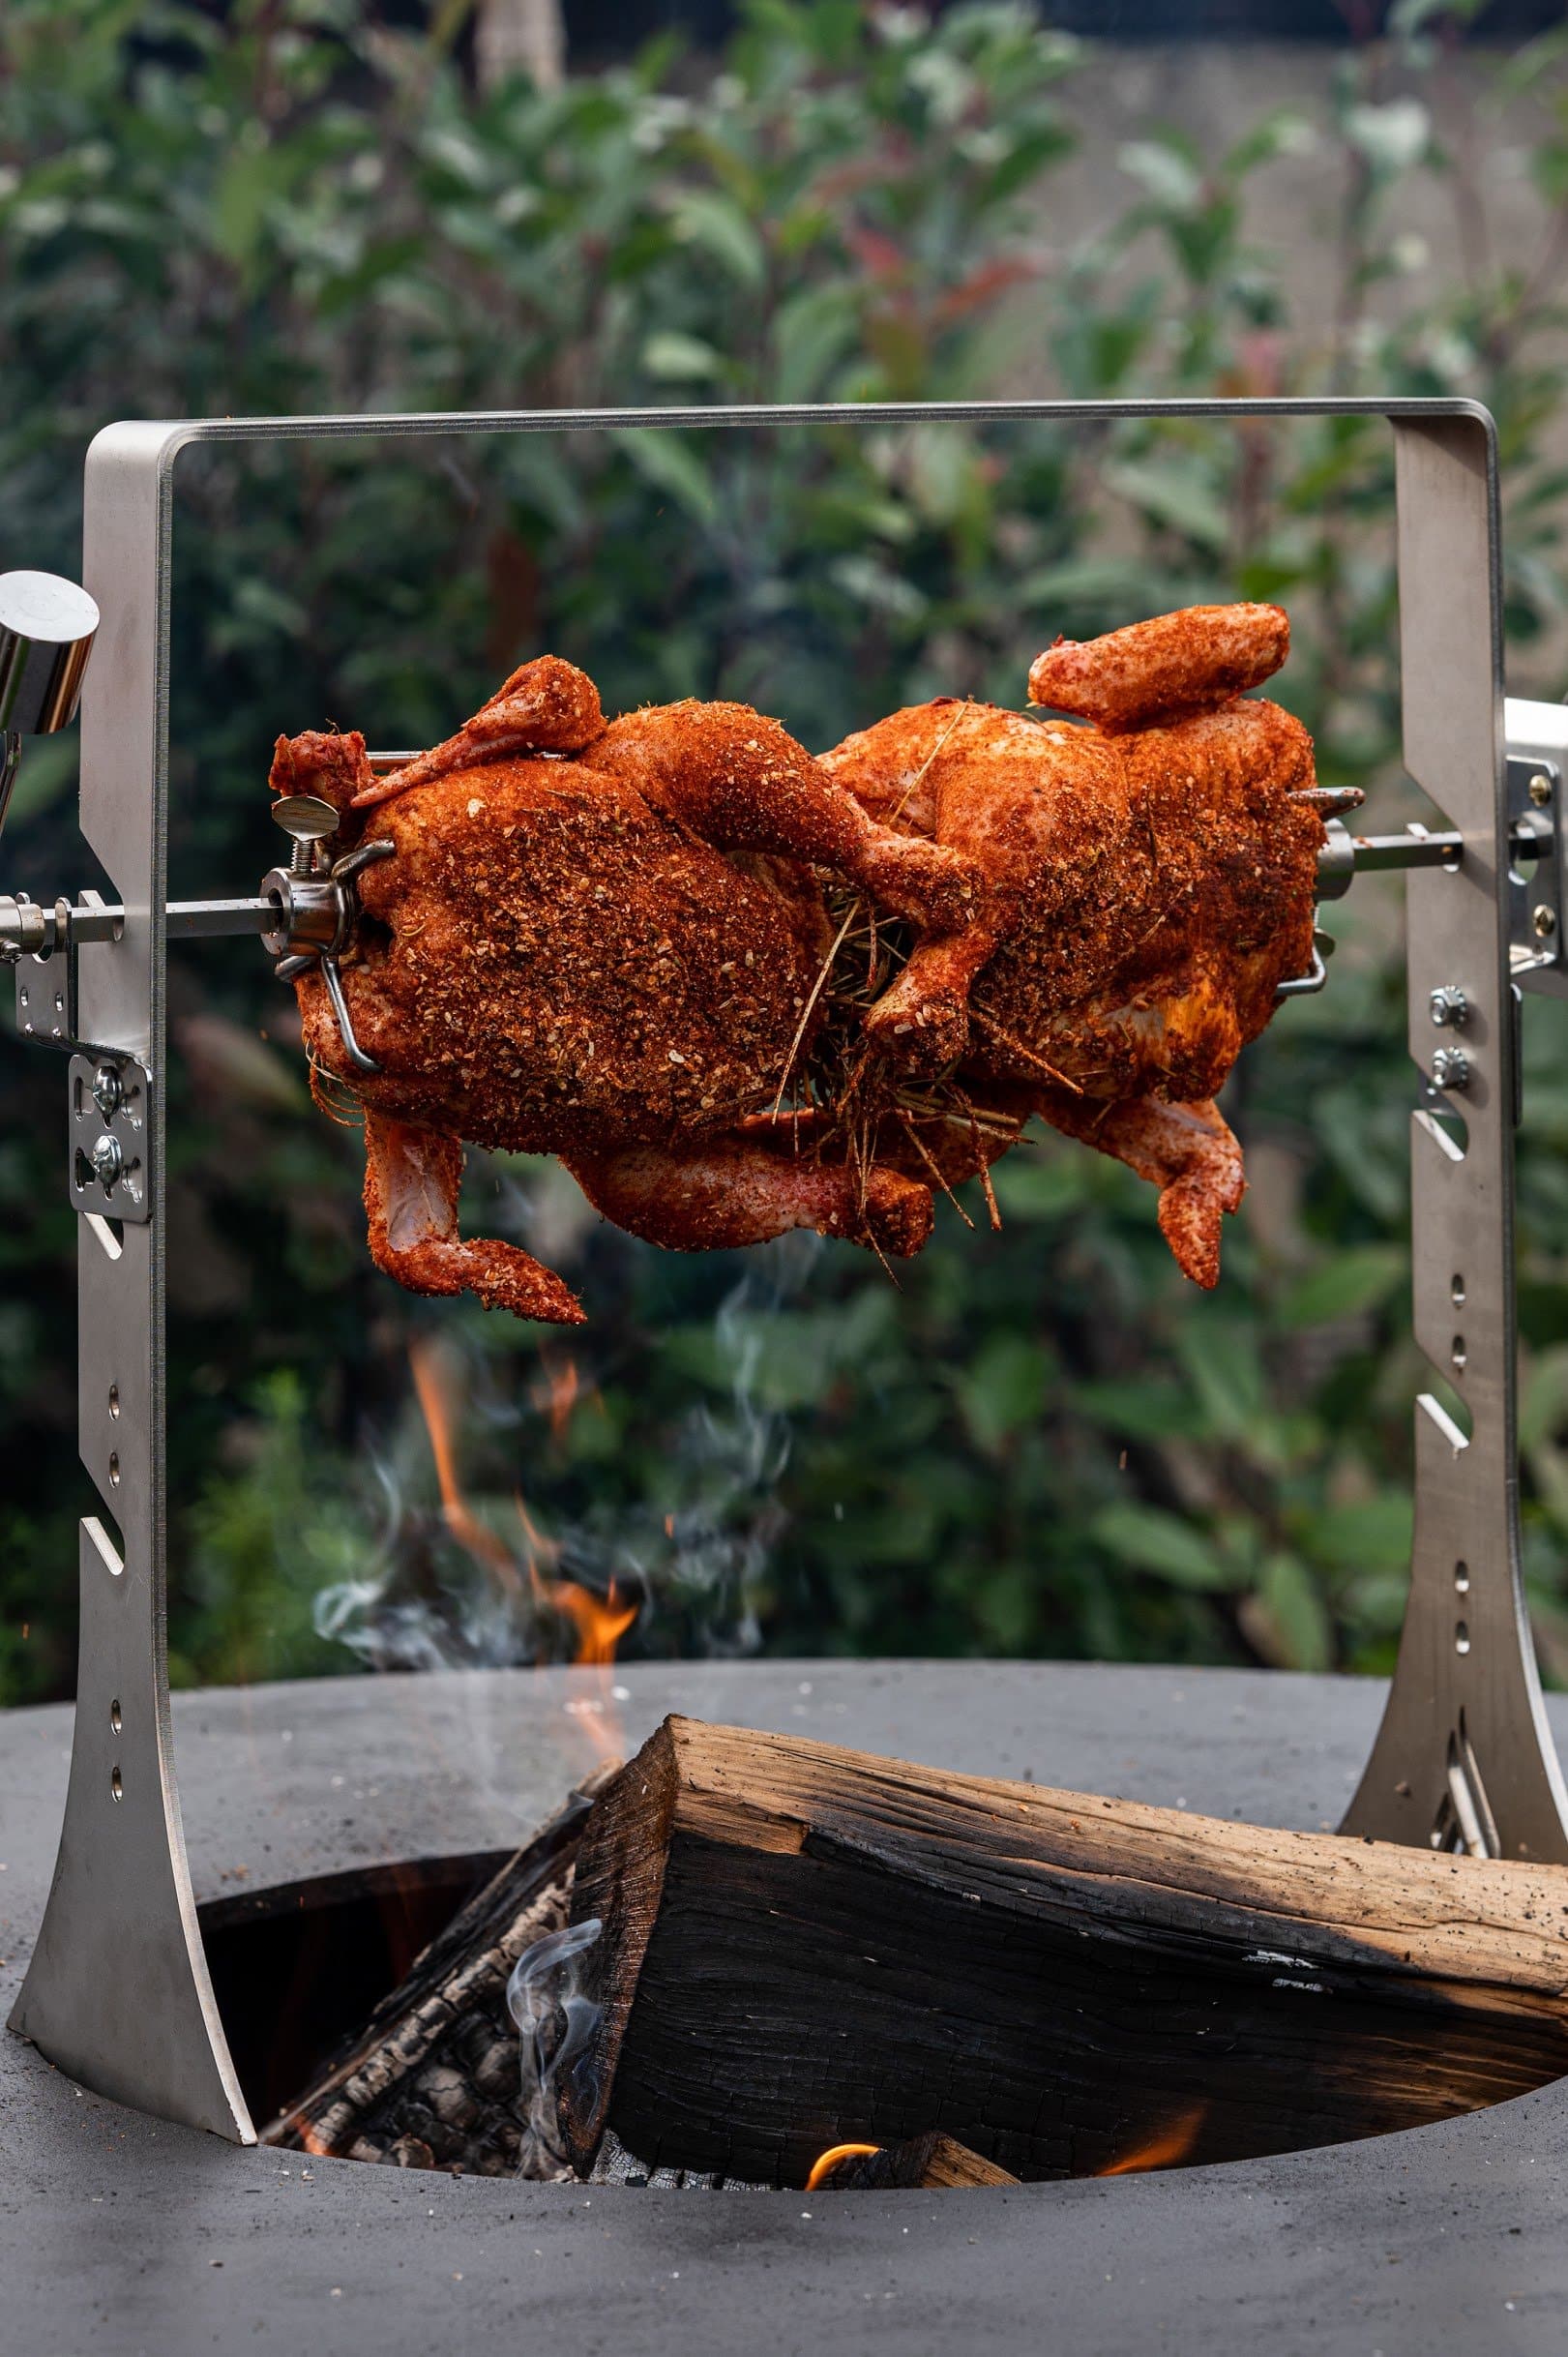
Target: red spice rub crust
(610, 943)
(1186, 661)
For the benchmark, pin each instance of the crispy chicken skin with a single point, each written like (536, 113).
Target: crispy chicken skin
(1144, 894)
(607, 951)
(609, 942)
(1179, 663)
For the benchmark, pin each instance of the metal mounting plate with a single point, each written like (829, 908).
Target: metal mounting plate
(46, 999)
(1537, 889)
(112, 1136)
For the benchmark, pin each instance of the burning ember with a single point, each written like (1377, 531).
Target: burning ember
(1168, 2148)
(825, 2164)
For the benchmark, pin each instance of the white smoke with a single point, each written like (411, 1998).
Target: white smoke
(556, 2023)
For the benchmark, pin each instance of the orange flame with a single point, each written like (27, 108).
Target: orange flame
(1164, 2150)
(601, 1622)
(823, 2167)
(598, 1621)
(432, 1381)
(557, 1392)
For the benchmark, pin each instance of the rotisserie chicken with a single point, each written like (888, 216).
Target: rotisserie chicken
(738, 990)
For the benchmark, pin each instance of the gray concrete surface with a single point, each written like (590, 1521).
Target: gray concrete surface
(120, 2234)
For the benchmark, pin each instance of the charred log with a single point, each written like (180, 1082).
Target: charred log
(804, 1946)
(925, 2163)
(432, 2081)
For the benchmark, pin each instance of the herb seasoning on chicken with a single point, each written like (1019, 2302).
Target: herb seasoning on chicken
(738, 990)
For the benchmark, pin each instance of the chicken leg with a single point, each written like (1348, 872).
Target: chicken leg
(1188, 1152)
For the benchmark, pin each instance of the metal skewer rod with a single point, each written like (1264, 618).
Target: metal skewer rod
(1373, 851)
(26, 926)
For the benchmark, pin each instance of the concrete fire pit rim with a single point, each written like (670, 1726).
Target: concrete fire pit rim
(1471, 2206)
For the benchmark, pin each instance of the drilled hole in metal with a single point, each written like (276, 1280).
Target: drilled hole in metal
(115, 1785)
(1458, 1354)
(114, 1714)
(114, 1468)
(1456, 1291)
(114, 1399)
(1462, 1637)
(1462, 1578)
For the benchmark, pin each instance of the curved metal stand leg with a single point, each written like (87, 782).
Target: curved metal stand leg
(118, 1991)
(1463, 1759)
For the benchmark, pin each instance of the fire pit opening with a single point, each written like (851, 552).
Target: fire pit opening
(757, 1962)
(297, 1967)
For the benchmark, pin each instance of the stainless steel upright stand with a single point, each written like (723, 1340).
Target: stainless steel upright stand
(118, 1990)
(1463, 1759)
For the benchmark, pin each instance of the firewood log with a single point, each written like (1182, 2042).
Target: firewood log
(804, 1946)
(925, 2163)
(432, 2079)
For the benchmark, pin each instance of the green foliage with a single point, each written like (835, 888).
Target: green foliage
(1038, 1440)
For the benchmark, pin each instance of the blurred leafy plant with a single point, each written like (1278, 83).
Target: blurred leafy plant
(1041, 1442)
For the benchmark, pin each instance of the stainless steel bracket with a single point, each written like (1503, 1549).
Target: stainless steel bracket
(112, 1136)
(118, 1990)
(1463, 1759)
(45, 984)
(1535, 812)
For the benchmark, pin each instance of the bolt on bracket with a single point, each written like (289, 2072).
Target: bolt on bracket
(110, 1099)
(1535, 885)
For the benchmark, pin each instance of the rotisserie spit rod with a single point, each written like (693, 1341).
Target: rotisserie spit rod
(30, 926)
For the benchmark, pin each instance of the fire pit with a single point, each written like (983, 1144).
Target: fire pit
(126, 2232)
(332, 1836)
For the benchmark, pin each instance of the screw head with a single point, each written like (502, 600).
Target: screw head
(1540, 789)
(1543, 922)
(1450, 1069)
(108, 1093)
(1449, 1006)
(107, 1158)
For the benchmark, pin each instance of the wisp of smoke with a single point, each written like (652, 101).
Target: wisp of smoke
(556, 2023)
(695, 1553)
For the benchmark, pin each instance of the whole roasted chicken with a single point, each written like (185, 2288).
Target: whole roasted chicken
(738, 990)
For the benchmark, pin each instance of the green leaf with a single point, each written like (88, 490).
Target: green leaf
(1357, 1278)
(1153, 1540)
(1141, 1410)
(1391, 137)
(1225, 1370)
(666, 459)
(1170, 175)
(1287, 1618)
(811, 332)
(1372, 1535)
(1544, 1395)
(1173, 492)
(703, 218)
(1003, 1387)
(680, 357)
